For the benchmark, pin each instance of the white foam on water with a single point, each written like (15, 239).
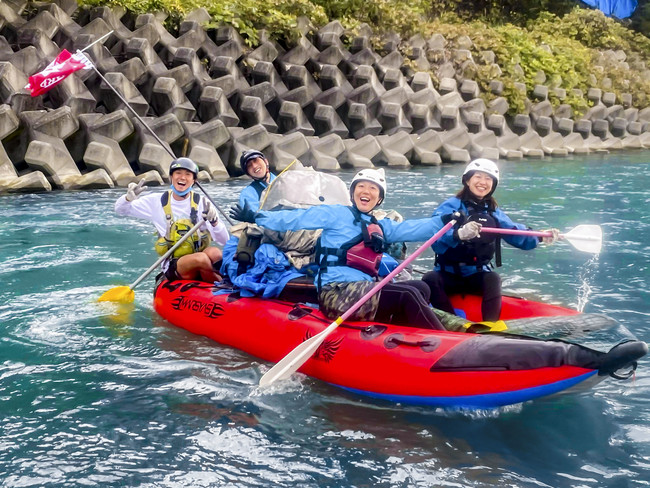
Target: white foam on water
(586, 277)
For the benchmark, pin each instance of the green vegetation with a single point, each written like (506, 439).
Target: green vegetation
(575, 48)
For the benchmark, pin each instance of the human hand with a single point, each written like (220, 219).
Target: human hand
(469, 231)
(458, 216)
(210, 213)
(552, 238)
(133, 190)
(245, 214)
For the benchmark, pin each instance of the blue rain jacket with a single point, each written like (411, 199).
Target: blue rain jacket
(267, 277)
(339, 226)
(250, 197)
(618, 8)
(448, 241)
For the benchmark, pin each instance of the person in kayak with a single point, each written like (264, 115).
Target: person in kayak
(175, 212)
(463, 255)
(349, 252)
(254, 164)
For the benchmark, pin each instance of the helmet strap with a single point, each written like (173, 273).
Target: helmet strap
(180, 193)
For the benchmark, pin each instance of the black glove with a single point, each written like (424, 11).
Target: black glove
(245, 214)
(458, 216)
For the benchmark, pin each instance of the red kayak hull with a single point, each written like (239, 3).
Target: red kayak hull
(395, 363)
(512, 308)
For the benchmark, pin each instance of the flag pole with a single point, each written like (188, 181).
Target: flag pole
(119, 95)
(96, 41)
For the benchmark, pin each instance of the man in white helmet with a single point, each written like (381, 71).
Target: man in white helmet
(349, 252)
(463, 255)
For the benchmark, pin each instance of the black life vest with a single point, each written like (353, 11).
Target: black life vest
(362, 252)
(478, 251)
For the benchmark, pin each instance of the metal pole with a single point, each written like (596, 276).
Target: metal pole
(95, 42)
(153, 133)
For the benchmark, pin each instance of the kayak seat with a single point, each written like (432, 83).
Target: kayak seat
(301, 289)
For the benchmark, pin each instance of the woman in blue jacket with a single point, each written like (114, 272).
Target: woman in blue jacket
(349, 252)
(463, 255)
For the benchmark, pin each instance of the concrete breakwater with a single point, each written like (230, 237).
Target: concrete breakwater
(206, 95)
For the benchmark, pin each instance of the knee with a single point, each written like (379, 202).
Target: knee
(423, 288)
(213, 253)
(434, 281)
(193, 261)
(413, 296)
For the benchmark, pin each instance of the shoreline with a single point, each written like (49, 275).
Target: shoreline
(209, 97)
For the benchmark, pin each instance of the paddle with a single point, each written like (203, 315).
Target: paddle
(125, 294)
(586, 238)
(299, 355)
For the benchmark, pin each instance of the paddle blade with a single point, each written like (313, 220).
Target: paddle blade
(586, 238)
(297, 357)
(119, 294)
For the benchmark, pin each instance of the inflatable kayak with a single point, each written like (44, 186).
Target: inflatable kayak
(401, 364)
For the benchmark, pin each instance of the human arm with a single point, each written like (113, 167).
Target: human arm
(522, 242)
(410, 230)
(312, 218)
(448, 240)
(249, 197)
(218, 232)
(141, 208)
(213, 224)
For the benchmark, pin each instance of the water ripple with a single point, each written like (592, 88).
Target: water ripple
(106, 395)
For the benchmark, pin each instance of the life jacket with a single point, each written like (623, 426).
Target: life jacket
(478, 251)
(177, 229)
(362, 252)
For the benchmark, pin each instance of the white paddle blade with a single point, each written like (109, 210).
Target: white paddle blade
(586, 238)
(292, 362)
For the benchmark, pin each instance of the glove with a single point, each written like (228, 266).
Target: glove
(245, 214)
(133, 190)
(551, 239)
(210, 213)
(458, 216)
(469, 231)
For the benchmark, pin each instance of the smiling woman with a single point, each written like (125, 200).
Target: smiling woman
(368, 189)
(464, 256)
(349, 252)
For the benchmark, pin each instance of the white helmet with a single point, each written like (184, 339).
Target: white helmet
(484, 165)
(375, 176)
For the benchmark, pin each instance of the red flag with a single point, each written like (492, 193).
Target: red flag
(64, 65)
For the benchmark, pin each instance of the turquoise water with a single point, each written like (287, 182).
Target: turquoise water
(95, 396)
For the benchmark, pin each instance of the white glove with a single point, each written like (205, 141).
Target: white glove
(551, 239)
(133, 190)
(210, 213)
(469, 231)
